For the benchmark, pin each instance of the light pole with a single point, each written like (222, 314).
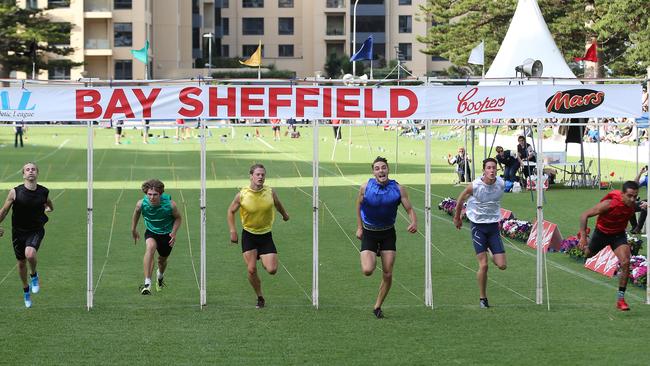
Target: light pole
(209, 64)
(354, 36)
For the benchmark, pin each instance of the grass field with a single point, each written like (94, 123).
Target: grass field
(124, 327)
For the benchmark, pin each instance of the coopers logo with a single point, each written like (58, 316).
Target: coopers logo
(22, 109)
(468, 107)
(574, 101)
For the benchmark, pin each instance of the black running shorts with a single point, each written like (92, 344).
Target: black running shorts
(378, 241)
(23, 239)
(162, 242)
(263, 243)
(599, 240)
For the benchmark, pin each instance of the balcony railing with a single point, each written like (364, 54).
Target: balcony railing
(97, 44)
(339, 4)
(97, 5)
(334, 32)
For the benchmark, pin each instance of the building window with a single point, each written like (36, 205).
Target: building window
(123, 70)
(32, 4)
(195, 6)
(405, 23)
(225, 4)
(122, 4)
(285, 26)
(285, 3)
(285, 50)
(404, 2)
(122, 35)
(438, 58)
(196, 38)
(59, 72)
(253, 3)
(252, 26)
(370, 23)
(225, 50)
(249, 49)
(334, 48)
(53, 4)
(225, 26)
(369, 2)
(406, 50)
(334, 25)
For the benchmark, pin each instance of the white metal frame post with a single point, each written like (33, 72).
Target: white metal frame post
(647, 225)
(203, 285)
(315, 205)
(540, 212)
(89, 219)
(428, 287)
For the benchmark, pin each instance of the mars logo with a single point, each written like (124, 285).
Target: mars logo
(468, 107)
(574, 101)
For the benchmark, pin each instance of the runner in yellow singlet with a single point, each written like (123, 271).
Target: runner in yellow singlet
(255, 204)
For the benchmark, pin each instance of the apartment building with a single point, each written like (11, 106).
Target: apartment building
(103, 33)
(296, 35)
(299, 34)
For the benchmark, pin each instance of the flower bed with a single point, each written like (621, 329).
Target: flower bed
(516, 229)
(448, 205)
(638, 270)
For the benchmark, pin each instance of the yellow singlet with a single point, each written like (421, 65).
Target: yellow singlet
(256, 210)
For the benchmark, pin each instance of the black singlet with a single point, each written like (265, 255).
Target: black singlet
(29, 208)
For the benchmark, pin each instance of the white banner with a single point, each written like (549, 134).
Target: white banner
(319, 102)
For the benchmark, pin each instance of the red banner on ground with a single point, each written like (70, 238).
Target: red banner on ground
(551, 239)
(605, 262)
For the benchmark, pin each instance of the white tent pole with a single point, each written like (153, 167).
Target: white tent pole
(471, 178)
(89, 219)
(336, 142)
(485, 143)
(428, 288)
(636, 126)
(350, 142)
(465, 176)
(396, 148)
(314, 280)
(600, 177)
(203, 285)
(540, 212)
(647, 225)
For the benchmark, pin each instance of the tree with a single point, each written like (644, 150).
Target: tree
(336, 66)
(620, 27)
(623, 33)
(27, 35)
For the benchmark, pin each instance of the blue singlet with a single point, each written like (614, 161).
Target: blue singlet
(379, 205)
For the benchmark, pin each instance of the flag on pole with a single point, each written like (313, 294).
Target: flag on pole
(365, 52)
(142, 54)
(256, 58)
(590, 55)
(477, 55)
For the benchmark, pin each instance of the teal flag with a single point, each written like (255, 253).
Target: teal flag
(142, 54)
